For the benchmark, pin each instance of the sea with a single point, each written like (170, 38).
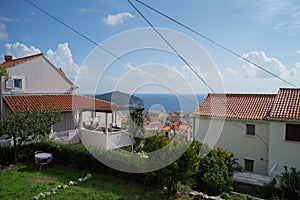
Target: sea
(171, 102)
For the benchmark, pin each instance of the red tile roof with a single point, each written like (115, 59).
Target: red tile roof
(14, 62)
(287, 104)
(53, 102)
(243, 106)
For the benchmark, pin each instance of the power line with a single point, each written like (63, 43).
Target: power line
(216, 43)
(119, 58)
(192, 68)
(98, 45)
(74, 30)
(170, 45)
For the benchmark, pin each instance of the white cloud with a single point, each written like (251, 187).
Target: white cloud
(269, 63)
(248, 71)
(3, 33)
(270, 9)
(298, 51)
(8, 19)
(62, 57)
(231, 71)
(280, 14)
(88, 10)
(18, 50)
(113, 20)
(250, 79)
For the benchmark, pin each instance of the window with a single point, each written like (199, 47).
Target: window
(292, 132)
(16, 83)
(250, 129)
(249, 165)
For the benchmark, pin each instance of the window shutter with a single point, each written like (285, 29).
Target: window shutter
(10, 84)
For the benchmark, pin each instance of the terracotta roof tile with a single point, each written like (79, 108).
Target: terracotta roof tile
(53, 102)
(19, 60)
(287, 104)
(243, 106)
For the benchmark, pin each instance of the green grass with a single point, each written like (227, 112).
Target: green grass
(24, 181)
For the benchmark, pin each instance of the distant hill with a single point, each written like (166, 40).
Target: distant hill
(121, 98)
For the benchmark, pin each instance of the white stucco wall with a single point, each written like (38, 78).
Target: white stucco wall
(91, 138)
(231, 135)
(282, 153)
(67, 122)
(40, 77)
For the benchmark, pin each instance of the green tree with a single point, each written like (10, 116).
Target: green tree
(26, 126)
(3, 73)
(136, 127)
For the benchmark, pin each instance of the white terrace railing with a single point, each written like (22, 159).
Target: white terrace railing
(106, 141)
(65, 137)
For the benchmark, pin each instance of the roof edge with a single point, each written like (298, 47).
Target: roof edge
(14, 62)
(59, 70)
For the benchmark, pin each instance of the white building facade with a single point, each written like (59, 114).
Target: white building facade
(35, 84)
(261, 130)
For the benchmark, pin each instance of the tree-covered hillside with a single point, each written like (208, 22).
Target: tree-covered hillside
(121, 98)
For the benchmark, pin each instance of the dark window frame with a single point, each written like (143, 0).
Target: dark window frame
(18, 83)
(292, 132)
(250, 129)
(249, 165)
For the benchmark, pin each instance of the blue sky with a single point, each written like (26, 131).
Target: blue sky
(266, 32)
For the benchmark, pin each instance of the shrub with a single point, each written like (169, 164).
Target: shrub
(230, 161)
(6, 156)
(178, 171)
(270, 191)
(75, 155)
(290, 183)
(213, 176)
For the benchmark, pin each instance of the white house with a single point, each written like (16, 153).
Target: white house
(35, 84)
(261, 130)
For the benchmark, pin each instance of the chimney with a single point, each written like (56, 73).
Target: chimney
(7, 58)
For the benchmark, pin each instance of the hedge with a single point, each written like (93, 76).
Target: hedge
(75, 155)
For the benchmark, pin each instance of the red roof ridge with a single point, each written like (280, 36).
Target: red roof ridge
(244, 106)
(243, 94)
(286, 104)
(16, 61)
(289, 89)
(59, 70)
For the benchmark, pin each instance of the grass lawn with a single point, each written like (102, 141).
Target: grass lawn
(24, 181)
